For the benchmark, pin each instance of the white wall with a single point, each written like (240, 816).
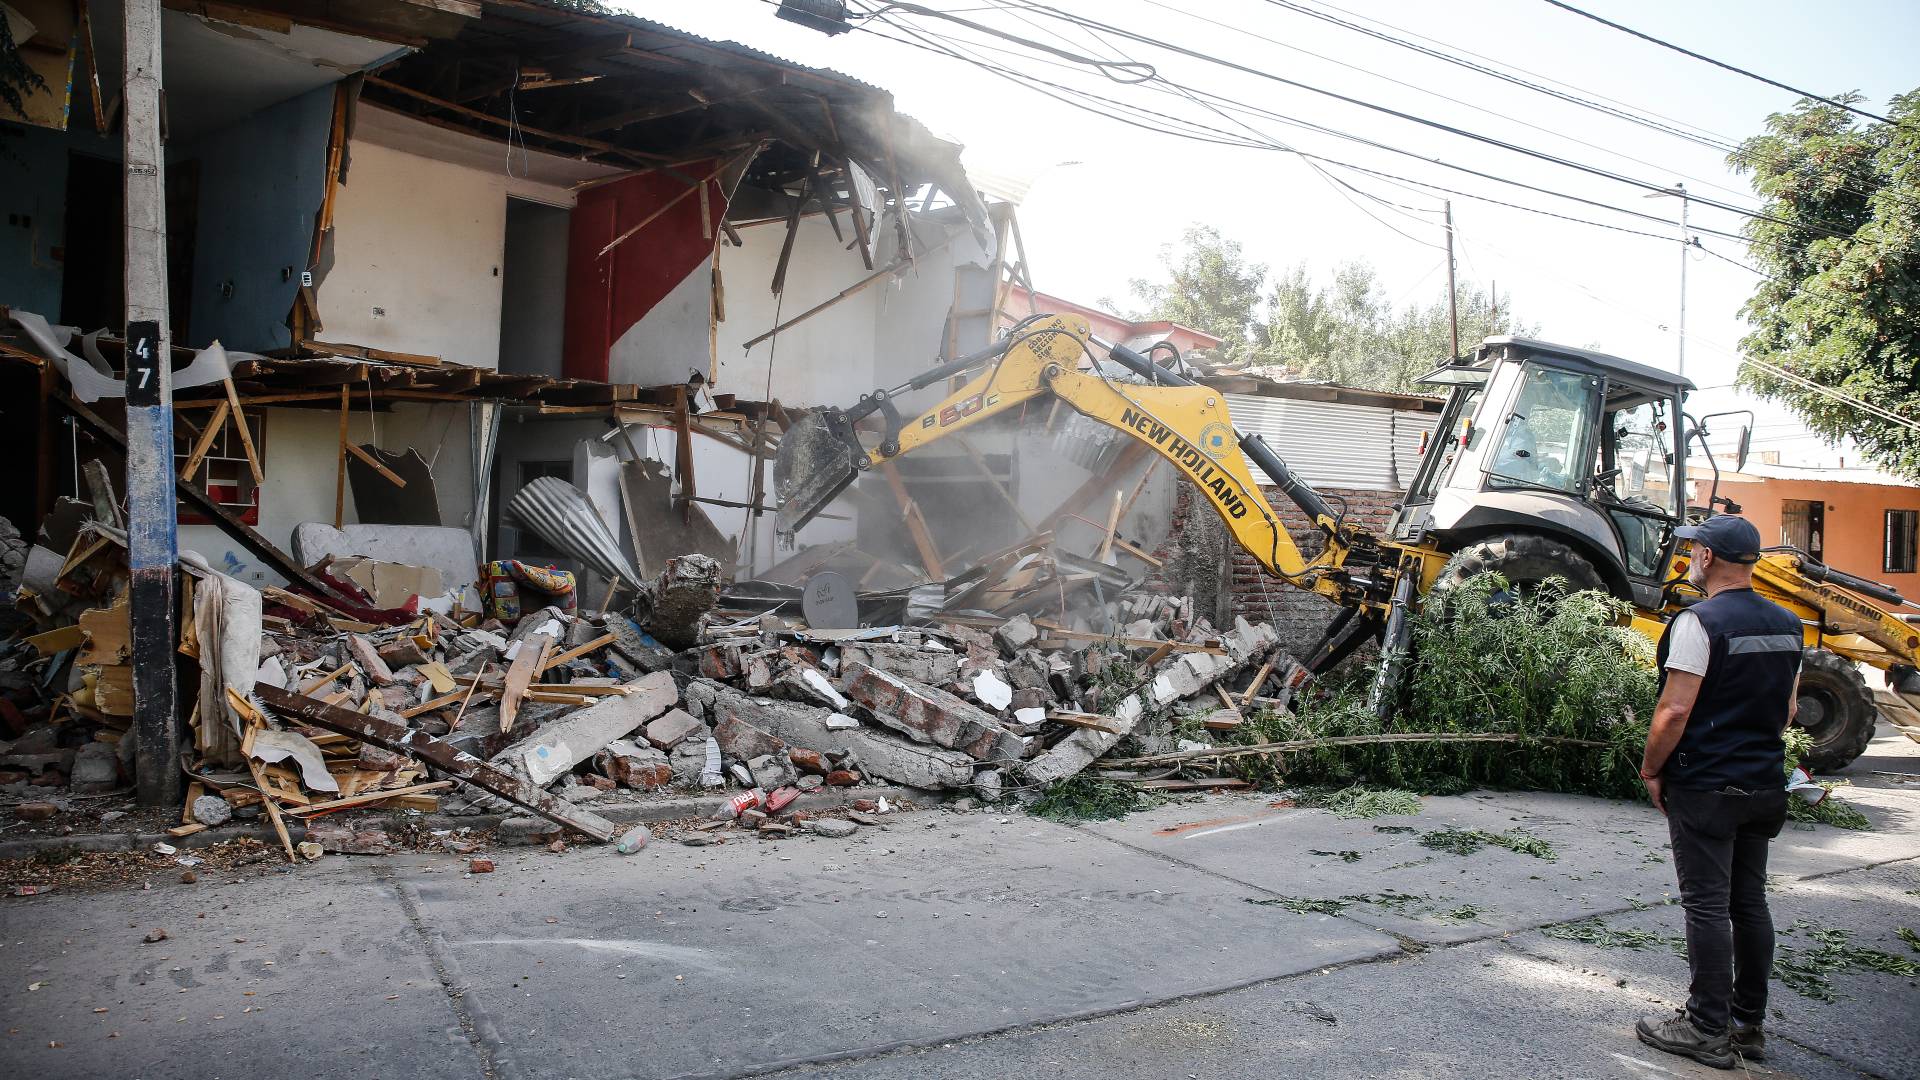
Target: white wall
(419, 237)
(301, 451)
(822, 360)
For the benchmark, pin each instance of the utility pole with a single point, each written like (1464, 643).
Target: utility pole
(1686, 242)
(1453, 303)
(152, 549)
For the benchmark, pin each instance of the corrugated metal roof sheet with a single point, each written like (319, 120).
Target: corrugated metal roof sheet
(1329, 444)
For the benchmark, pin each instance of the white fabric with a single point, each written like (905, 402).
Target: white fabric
(1687, 644)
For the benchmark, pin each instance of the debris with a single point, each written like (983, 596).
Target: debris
(389, 735)
(633, 840)
(154, 936)
(479, 866)
(835, 828)
(555, 749)
(211, 810)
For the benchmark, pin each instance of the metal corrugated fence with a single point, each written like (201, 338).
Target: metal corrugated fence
(1330, 444)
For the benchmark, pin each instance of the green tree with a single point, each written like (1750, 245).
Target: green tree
(1350, 333)
(1840, 310)
(1211, 287)
(1346, 331)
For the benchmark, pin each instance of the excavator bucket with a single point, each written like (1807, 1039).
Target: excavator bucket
(819, 456)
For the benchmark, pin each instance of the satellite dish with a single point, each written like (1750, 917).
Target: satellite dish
(830, 603)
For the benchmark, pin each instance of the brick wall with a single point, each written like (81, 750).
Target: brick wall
(1300, 617)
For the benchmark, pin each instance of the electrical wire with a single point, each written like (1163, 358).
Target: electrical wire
(1489, 140)
(1417, 88)
(1721, 63)
(1034, 82)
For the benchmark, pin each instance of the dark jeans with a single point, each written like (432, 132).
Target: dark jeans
(1720, 855)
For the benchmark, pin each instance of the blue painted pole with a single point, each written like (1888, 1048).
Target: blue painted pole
(152, 541)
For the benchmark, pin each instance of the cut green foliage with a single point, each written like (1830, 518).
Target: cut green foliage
(1393, 828)
(1809, 971)
(1359, 801)
(1544, 663)
(1912, 939)
(1089, 798)
(1463, 913)
(1596, 932)
(1343, 856)
(1467, 841)
(1306, 905)
(1831, 810)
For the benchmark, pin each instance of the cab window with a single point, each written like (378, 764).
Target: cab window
(1546, 439)
(1638, 454)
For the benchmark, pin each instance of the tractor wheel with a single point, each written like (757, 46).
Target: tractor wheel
(1836, 708)
(1524, 559)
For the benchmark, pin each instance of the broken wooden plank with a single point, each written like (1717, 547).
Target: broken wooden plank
(205, 442)
(273, 808)
(401, 739)
(531, 659)
(431, 704)
(576, 652)
(1093, 721)
(373, 463)
(1206, 784)
(369, 797)
(246, 433)
(179, 831)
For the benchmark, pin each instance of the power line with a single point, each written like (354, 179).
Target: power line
(1436, 94)
(1503, 76)
(1437, 125)
(1706, 137)
(1229, 139)
(1720, 63)
(1711, 140)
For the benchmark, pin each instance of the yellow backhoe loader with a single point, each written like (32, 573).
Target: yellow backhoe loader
(1546, 462)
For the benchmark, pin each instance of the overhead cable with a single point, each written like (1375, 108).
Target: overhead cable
(1702, 57)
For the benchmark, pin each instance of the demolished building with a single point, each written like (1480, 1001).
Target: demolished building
(489, 316)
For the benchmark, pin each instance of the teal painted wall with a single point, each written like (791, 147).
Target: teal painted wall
(261, 182)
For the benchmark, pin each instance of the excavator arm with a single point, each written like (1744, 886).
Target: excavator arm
(1187, 424)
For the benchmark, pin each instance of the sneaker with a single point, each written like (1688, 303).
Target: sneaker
(1677, 1035)
(1748, 1041)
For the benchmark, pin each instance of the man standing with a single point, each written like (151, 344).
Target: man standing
(1715, 764)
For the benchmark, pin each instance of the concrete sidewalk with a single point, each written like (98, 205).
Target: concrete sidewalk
(959, 945)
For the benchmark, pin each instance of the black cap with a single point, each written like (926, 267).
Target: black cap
(1728, 536)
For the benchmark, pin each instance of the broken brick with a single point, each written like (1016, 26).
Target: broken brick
(807, 761)
(742, 741)
(843, 778)
(673, 728)
(927, 714)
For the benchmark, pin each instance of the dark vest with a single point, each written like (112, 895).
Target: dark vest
(1732, 736)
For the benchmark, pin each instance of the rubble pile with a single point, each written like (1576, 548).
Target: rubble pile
(308, 708)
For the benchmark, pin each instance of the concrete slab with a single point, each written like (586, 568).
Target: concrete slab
(254, 979)
(934, 928)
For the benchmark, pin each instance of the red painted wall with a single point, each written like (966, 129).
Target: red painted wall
(607, 295)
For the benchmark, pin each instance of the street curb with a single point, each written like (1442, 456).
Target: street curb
(673, 809)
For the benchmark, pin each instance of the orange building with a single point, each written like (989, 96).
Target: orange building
(1862, 521)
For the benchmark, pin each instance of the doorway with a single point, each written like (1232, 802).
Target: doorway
(533, 289)
(1802, 525)
(93, 283)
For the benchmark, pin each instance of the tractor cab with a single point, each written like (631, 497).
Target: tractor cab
(1575, 456)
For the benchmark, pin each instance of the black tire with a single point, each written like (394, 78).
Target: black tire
(1524, 559)
(1836, 708)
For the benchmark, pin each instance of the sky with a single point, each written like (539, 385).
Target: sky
(1104, 199)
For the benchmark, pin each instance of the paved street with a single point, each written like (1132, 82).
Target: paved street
(982, 944)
